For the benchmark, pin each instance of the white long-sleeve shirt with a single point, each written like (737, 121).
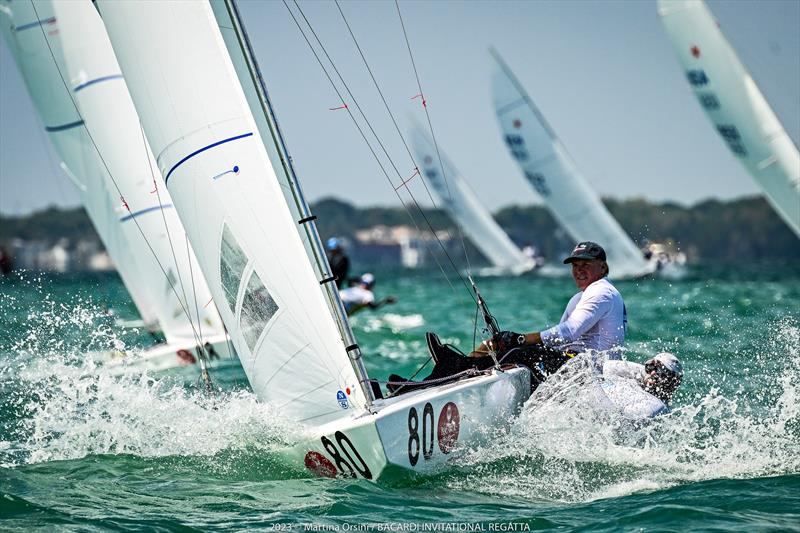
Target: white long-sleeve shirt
(595, 318)
(622, 385)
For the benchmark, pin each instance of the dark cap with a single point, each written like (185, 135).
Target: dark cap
(587, 250)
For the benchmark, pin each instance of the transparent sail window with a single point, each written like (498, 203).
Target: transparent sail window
(257, 308)
(232, 261)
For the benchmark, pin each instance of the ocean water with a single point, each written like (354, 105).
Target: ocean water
(82, 449)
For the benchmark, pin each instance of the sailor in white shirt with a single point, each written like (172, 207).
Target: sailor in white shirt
(360, 296)
(659, 376)
(595, 319)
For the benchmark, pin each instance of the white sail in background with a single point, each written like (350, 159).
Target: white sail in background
(31, 32)
(224, 187)
(735, 105)
(155, 235)
(553, 174)
(460, 202)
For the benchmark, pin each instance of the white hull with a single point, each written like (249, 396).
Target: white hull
(167, 356)
(418, 432)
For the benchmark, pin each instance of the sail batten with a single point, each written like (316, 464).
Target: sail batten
(150, 225)
(39, 57)
(246, 237)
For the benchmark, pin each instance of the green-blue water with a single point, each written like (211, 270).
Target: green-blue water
(83, 450)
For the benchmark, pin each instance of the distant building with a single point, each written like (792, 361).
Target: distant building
(398, 246)
(60, 256)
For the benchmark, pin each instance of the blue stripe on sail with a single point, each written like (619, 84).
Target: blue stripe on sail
(143, 211)
(97, 80)
(64, 126)
(34, 24)
(182, 161)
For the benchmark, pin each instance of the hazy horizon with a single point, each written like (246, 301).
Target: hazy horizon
(612, 90)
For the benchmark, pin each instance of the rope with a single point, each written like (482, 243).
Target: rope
(430, 127)
(119, 191)
(369, 145)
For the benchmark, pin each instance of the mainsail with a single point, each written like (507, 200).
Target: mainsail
(154, 233)
(553, 174)
(456, 197)
(735, 105)
(31, 33)
(213, 158)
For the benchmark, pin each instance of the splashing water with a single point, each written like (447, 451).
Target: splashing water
(566, 447)
(59, 404)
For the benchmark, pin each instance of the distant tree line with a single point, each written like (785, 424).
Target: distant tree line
(745, 228)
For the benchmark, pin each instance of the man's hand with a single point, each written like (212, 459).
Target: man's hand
(506, 340)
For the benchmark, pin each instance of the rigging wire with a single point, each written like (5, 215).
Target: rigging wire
(383, 99)
(198, 340)
(369, 145)
(430, 127)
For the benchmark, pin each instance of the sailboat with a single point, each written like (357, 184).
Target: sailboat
(553, 174)
(81, 97)
(735, 105)
(474, 220)
(205, 111)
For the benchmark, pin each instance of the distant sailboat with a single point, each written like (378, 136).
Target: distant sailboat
(79, 92)
(555, 177)
(456, 197)
(226, 165)
(735, 105)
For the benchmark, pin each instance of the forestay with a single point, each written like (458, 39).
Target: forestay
(735, 105)
(153, 231)
(32, 34)
(553, 174)
(226, 192)
(456, 197)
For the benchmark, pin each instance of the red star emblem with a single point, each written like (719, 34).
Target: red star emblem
(695, 51)
(517, 123)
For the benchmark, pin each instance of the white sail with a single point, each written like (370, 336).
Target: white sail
(735, 105)
(460, 202)
(31, 32)
(154, 234)
(224, 187)
(555, 177)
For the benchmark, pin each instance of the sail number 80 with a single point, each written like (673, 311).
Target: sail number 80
(420, 432)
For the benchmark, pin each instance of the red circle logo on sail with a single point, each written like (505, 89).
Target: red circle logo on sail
(448, 427)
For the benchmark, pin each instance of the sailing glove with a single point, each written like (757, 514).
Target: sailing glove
(506, 340)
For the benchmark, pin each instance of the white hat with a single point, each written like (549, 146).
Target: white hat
(368, 279)
(670, 362)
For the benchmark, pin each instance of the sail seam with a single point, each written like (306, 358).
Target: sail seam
(203, 149)
(513, 105)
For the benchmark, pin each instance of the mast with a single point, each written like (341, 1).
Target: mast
(196, 104)
(306, 220)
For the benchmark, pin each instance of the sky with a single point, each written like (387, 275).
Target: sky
(603, 73)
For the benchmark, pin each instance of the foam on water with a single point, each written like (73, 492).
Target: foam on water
(564, 447)
(561, 448)
(66, 406)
